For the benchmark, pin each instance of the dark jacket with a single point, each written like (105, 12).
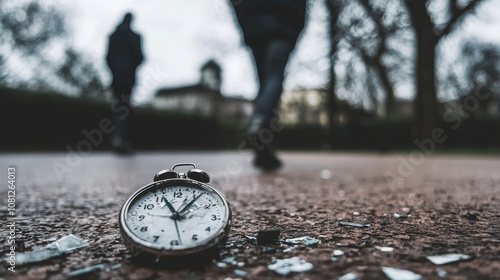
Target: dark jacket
(124, 54)
(261, 20)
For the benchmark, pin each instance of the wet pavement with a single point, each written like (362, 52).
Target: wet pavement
(431, 206)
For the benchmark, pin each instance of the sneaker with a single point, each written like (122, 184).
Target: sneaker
(267, 160)
(265, 156)
(121, 147)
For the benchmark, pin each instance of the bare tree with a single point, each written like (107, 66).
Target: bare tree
(79, 73)
(373, 54)
(428, 34)
(30, 29)
(25, 28)
(335, 8)
(475, 70)
(375, 31)
(29, 25)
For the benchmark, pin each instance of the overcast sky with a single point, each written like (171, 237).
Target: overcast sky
(180, 35)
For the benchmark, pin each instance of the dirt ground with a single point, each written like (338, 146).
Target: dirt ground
(451, 204)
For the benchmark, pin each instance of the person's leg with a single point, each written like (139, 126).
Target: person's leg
(273, 63)
(270, 59)
(122, 111)
(259, 55)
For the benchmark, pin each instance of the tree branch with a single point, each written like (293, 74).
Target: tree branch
(458, 13)
(383, 31)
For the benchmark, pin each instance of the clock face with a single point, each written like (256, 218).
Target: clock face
(176, 215)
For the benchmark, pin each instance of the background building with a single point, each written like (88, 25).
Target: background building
(204, 98)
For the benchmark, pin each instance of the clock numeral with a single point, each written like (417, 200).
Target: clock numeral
(207, 229)
(144, 229)
(141, 217)
(174, 243)
(214, 217)
(156, 237)
(177, 194)
(149, 206)
(195, 237)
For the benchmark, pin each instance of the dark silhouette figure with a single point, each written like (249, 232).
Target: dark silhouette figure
(123, 57)
(271, 29)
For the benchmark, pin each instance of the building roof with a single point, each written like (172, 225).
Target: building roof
(198, 87)
(184, 89)
(211, 64)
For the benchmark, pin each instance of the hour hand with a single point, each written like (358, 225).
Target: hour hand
(164, 201)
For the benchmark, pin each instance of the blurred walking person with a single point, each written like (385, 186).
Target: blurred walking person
(270, 29)
(123, 57)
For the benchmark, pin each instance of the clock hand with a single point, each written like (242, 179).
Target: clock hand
(170, 207)
(163, 216)
(177, 229)
(190, 203)
(184, 203)
(175, 214)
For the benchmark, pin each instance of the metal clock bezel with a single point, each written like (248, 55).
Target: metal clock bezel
(138, 245)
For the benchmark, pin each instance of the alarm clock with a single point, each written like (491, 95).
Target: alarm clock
(177, 216)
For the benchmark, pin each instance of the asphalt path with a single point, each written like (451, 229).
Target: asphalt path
(63, 193)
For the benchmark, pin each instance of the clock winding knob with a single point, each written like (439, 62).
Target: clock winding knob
(198, 175)
(165, 174)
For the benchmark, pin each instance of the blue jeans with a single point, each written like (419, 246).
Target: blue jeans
(271, 58)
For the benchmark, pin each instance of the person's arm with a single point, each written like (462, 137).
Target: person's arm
(108, 54)
(137, 50)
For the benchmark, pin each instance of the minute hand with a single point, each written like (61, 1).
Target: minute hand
(190, 203)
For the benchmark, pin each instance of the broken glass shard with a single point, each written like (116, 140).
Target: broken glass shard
(289, 249)
(448, 258)
(401, 216)
(349, 224)
(87, 270)
(349, 276)
(240, 273)
(441, 273)
(252, 239)
(229, 260)
(384, 249)
(338, 253)
(64, 245)
(306, 240)
(268, 250)
(400, 274)
(220, 264)
(287, 266)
